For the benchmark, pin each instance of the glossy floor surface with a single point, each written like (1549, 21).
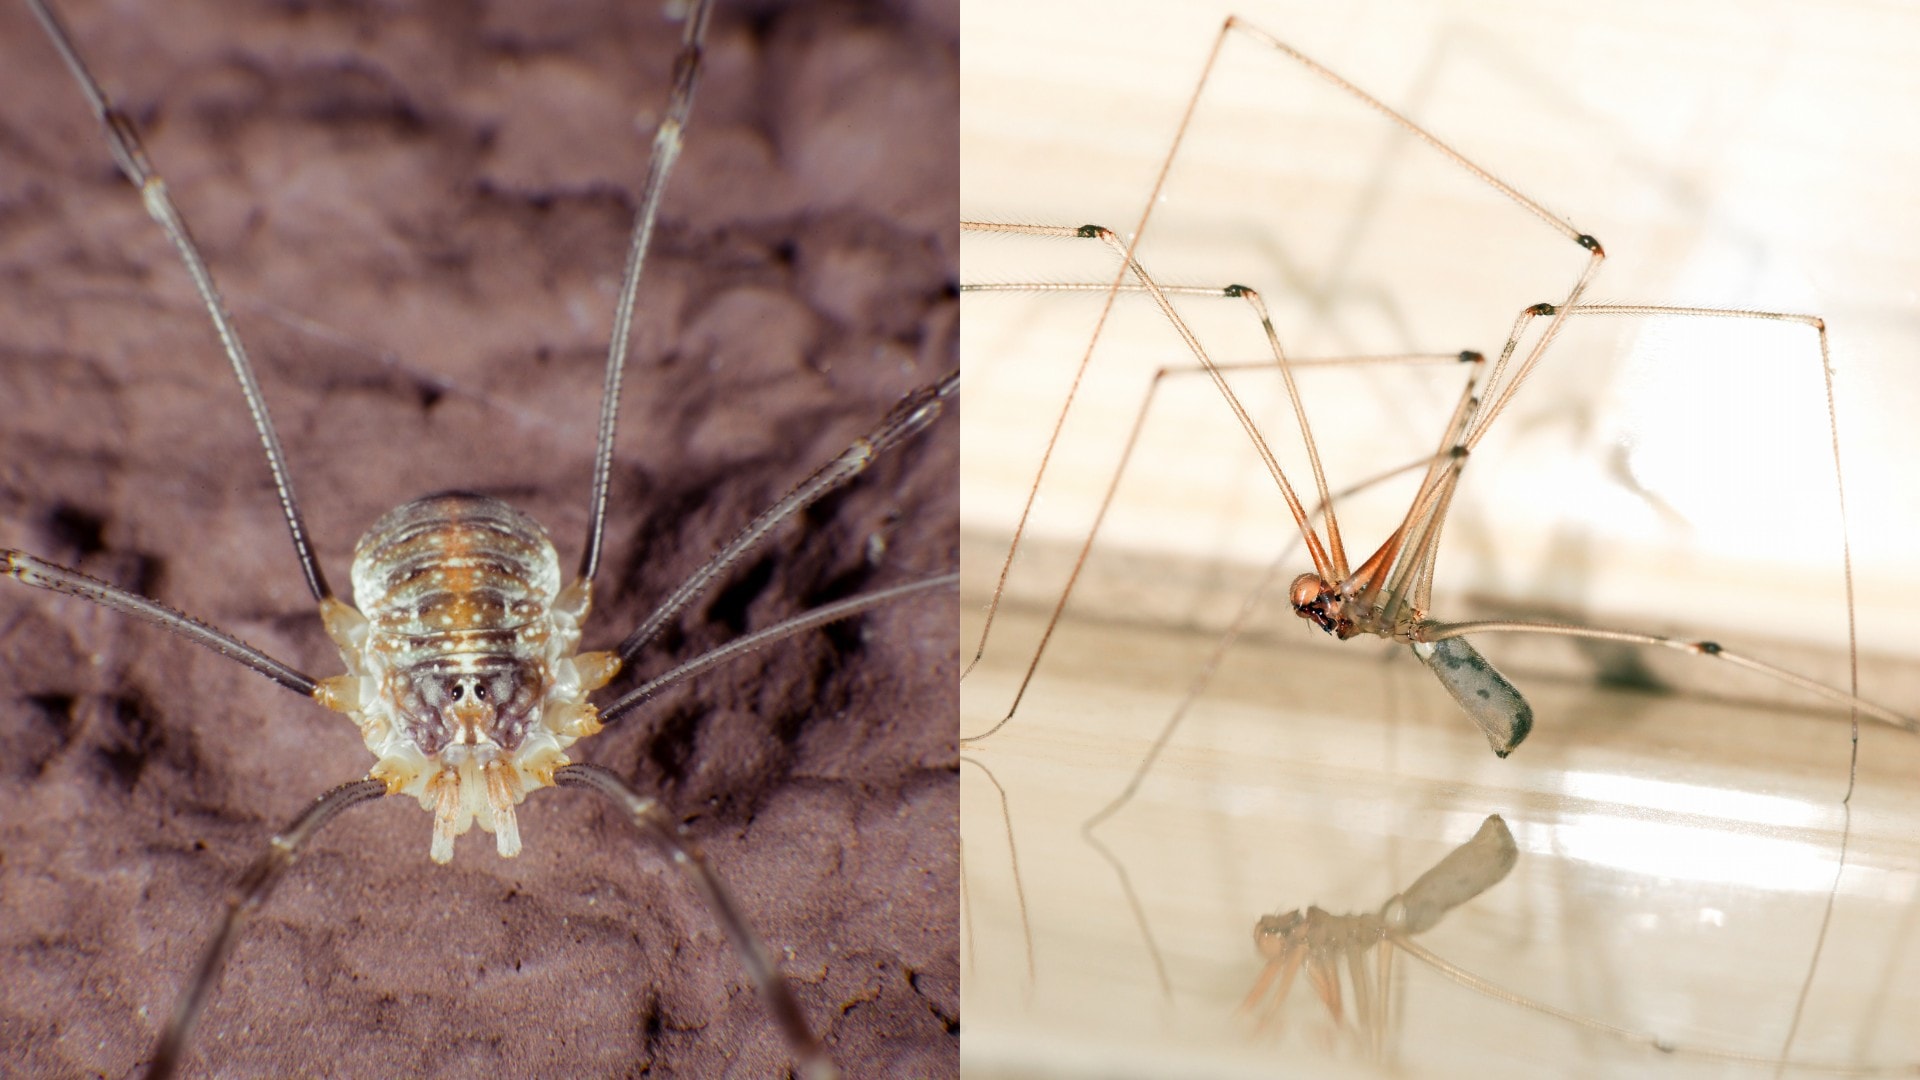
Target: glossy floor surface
(1676, 859)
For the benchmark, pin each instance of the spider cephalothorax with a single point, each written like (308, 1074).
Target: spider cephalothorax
(1315, 599)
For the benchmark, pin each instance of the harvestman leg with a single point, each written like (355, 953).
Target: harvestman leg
(1441, 631)
(1424, 520)
(247, 896)
(915, 414)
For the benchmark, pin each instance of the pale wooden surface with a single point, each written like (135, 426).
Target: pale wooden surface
(1677, 850)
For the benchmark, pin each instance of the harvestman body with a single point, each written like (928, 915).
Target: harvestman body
(1388, 594)
(463, 670)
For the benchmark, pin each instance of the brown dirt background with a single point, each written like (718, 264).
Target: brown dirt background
(418, 213)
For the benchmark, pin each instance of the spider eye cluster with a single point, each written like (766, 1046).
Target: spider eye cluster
(1273, 932)
(1315, 600)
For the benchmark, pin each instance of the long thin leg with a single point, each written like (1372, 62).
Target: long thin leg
(1119, 472)
(1133, 906)
(1713, 649)
(809, 1057)
(131, 157)
(667, 140)
(1363, 997)
(1197, 686)
(1500, 993)
(1323, 555)
(248, 895)
(1290, 962)
(1383, 967)
(1499, 390)
(1323, 972)
(1419, 531)
(913, 414)
(1329, 560)
(1013, 856)
(820, 616)
(1060, 419)
(41, 574)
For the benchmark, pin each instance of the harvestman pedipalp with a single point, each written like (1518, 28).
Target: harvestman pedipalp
(487, 734)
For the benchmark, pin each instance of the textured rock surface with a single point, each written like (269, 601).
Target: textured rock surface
(419, 216)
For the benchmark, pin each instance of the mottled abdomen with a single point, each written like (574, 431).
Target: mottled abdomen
(454, 563)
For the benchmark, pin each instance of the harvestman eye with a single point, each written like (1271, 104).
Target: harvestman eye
(464, 674)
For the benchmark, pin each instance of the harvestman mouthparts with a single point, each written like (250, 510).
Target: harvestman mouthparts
(1389, 594)
(463, 670)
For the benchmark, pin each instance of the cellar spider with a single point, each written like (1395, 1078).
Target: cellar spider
(1347, 959)
(1552, 124)
(420, 226)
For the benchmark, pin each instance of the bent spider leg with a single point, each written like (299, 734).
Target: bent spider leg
(1013, 862)
(1215, 371)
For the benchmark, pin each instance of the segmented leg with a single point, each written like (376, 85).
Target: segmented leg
(249, 894)
(646, 815)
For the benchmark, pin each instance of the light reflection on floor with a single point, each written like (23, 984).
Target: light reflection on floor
(1676, 859)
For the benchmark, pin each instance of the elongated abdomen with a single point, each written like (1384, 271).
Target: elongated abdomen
(1485, 694)
(1466, 872)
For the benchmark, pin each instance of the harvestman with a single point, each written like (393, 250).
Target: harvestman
(1388, 593)
(463, 674)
